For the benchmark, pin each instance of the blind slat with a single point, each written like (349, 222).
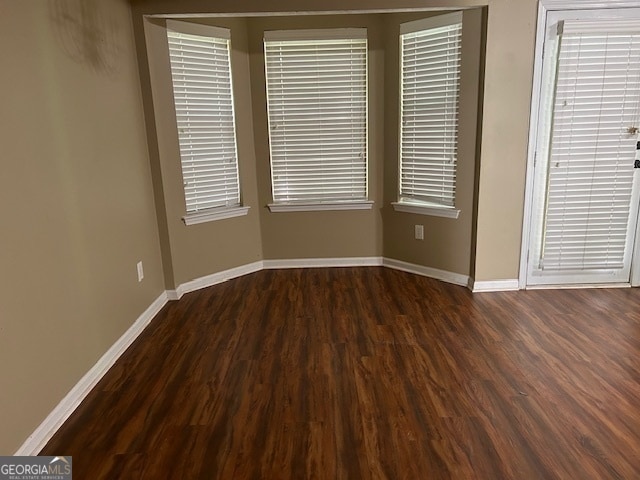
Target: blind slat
(430, 83)
(201, 76)
(590, 178)
(317, 110)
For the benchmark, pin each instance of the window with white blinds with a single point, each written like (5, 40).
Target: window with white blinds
(202, 91)
(316, 84)
(429, 91)
(590, 180)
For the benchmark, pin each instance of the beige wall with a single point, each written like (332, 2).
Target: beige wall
(76, 193)
(320, 234)
(506, 108)
(76, 202)
(502, 161)
(447, 243)
(198, 250)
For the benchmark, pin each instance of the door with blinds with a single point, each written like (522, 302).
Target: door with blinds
(586, 189)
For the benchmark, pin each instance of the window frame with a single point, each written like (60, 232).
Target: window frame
(406, 203)
(319, 204)
(230, 208)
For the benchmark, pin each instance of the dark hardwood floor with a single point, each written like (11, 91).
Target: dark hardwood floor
(369, 373)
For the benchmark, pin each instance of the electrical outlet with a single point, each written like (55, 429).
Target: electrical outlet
(419, 230)
(140, 271)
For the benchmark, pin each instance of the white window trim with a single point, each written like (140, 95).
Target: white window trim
(219, 213)
(423, 208)
(320, 206)
(325, 34)
(411, 205)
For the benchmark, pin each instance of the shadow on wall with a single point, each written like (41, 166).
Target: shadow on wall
(88, 33)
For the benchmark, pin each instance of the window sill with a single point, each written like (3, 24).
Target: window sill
(317, 207)
(214, 214)
(425, 209)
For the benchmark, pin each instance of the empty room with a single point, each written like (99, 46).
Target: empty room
(335, 240)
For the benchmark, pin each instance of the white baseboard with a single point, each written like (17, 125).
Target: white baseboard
(172, 295)
(495, 285)
(214, 279)
(39, 438)
(323, 262)
(220, 277)
(445, 276)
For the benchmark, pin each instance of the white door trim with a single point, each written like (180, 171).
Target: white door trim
(587, 4)
(635, 258)
(533, 141)
(544, 6)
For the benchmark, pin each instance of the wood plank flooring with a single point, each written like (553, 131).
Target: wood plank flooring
(369, 373)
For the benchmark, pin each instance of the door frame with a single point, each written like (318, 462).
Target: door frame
(545, 6)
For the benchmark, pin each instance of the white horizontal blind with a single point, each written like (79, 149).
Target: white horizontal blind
(201, 74)
(317, 108)
(590, 178)
(430, 86)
